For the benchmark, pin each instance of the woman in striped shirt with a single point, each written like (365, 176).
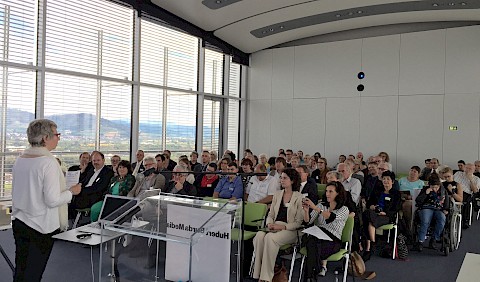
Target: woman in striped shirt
(330, 219)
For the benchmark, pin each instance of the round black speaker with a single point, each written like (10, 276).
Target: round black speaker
(361, 75)
(360, 87)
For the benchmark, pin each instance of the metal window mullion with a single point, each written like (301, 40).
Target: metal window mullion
(41, 49)
(200, 97)
(135, 118)
(99, 88)
(165, 99)
(242, 119)
(226, 103)
(3, 134)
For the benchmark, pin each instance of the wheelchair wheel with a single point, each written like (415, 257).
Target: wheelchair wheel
(455, 229)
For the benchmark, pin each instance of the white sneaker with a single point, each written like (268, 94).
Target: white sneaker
(323, 272)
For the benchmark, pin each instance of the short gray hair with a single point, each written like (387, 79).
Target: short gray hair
(38, 129)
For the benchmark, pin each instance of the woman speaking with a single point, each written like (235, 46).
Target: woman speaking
(39, 201)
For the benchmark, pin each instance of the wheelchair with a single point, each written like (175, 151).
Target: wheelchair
(446, 242)
(455, 215)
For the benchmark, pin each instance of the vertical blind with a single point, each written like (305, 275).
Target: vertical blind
(213, 72)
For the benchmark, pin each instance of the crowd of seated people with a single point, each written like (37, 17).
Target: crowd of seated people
(372, 191)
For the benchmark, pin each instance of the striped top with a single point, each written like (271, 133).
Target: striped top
(334, 224)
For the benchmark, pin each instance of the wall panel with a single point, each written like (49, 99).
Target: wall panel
(281, 125)
(378, 126)
(327, 70)
(258, 128)
(260, 75)
(420, 130)
(309, 125)
(282, 73)
(422, 62)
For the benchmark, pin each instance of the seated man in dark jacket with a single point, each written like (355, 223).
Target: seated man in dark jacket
(432, 202)
(178, 184)
(95, 184)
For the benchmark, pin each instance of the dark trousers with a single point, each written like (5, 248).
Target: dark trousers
(467, 199)
(32, 250)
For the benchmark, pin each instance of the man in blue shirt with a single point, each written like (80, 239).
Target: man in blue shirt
(230, 187)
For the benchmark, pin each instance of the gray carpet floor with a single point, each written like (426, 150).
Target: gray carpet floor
(72, 262)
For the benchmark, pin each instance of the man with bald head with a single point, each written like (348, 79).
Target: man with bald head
(350, 184)
(471, 186)
(95, 184)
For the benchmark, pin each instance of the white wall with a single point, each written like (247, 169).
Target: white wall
(416, 86)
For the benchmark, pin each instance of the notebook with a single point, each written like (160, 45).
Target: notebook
(113, 207)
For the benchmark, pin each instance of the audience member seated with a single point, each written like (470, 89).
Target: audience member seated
(223, 165)
(471, 185)
(383, 207)
(194, 164)
(295, 162)
(320, 173)
(230, 187)
(284, 217)
(186, 164)
(432, 202)
(247, 167)
(94, 185)
(288, 157)
(84, 166)
(208, 182)
(431, 168)
(149, 179)
(206, 159)
(331, 219)
(385, 158)
(213, 157)
(114, 161)
(453, 188)
(262, 159)
(477, 168)
(407, 185)
(359, 175)
(307, 184)
(461, 166)
(372, 181)
(179, 184)
(349, 183)
(171, 163)
(138, 166)
(261, 188)
(341, 159)
(119, 185)
(162, 167)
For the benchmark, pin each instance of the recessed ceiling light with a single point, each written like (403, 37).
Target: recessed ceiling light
(218, 2)
(463, 4)
(282, 27)
(350, 13)
(435, 5)
(271, 29)
(451, 4)
(359, 11)
(338, 15)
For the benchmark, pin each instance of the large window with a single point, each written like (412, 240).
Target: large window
(213, 72)
(81, 66)
(211, 124)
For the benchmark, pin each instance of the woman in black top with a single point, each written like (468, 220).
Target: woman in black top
(453, 188)
(383, 207)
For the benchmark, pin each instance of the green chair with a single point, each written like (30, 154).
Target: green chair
(253, 216)
(343, 253)
(321, 188)
(389, 227)
(401, 174)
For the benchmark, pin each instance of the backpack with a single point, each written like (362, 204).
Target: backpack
(402, 249)
(356, 264)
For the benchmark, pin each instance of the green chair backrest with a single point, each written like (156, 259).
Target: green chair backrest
(401, 174)
(348, 230)
(254, 213)
(321, 189)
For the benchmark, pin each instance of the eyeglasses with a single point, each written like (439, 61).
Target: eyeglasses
(57, 134)
(382, 169)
